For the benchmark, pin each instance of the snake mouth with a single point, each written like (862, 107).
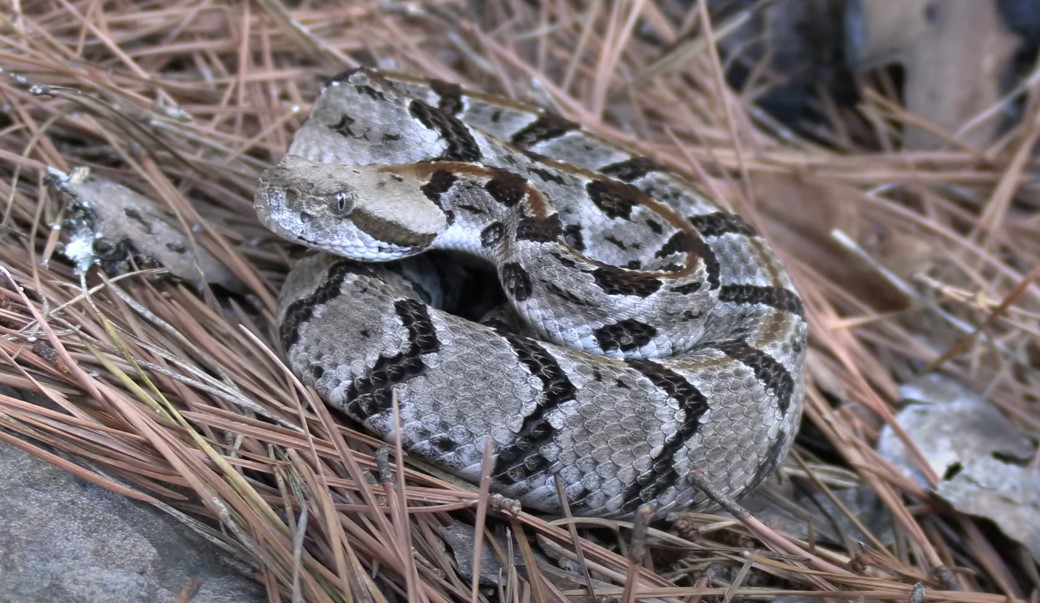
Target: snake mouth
(369, 253)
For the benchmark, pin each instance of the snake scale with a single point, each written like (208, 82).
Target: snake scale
(649, 331)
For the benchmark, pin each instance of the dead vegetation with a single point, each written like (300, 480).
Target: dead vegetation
(908, 261)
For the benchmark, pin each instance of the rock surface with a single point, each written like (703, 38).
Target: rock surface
(65, 540)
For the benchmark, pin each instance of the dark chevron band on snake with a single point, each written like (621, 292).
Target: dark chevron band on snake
(647, 330)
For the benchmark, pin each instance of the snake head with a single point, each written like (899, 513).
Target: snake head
(366, 213)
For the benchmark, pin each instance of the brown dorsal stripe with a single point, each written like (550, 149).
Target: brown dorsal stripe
(767, 370)
(549, 125)
(775, 297)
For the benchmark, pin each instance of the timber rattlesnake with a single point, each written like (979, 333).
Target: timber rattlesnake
(659, 332)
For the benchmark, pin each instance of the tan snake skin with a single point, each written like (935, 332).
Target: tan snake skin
(649, 331)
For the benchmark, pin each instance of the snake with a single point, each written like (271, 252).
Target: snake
(483, 269)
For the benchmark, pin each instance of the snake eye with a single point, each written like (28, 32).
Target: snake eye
(342, 203)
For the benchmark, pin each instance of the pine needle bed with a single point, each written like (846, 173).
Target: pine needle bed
(174, 395)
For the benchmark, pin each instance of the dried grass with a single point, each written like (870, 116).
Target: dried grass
(163, 394)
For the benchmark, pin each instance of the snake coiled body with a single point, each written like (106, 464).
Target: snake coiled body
(649, 331)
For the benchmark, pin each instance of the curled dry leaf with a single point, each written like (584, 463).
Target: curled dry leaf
(111, 225)
(968, 443)
(1006, 494)
(954, 52)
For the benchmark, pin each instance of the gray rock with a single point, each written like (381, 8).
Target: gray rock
(65, 540)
